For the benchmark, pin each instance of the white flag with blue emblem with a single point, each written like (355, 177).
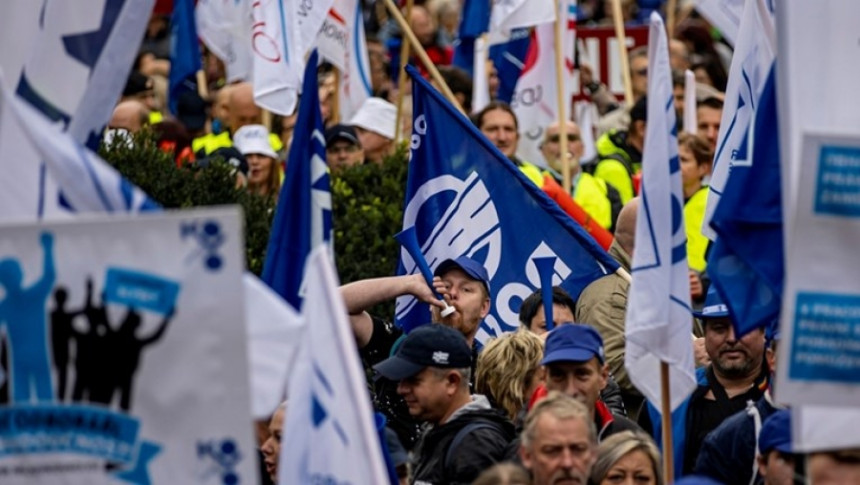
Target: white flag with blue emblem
(329, 425)
(658, 308)
(754, 54)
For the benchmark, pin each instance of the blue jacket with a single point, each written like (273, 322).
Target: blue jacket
(728, 453)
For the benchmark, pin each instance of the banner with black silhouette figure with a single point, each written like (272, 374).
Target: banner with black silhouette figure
(123, 351)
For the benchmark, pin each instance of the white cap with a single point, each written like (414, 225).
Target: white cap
(251, 139)
(376, 115)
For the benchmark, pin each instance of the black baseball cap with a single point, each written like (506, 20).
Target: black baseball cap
(430, 345)
(341, 132)
(191, 110)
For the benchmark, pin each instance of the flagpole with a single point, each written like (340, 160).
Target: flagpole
(335, 102)
(670, 17)
(202, 85)
(666, 412)
(559, 83)
(401, 78)
(622, 52)
(422, 55)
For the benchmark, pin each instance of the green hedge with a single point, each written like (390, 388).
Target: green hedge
(367, 203)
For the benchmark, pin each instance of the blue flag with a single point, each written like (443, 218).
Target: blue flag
(509, 59)
(303, 217)
(474, 21)
(746, 262)
(465, 198)
(184, 51)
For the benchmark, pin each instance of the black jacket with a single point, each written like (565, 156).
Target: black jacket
(476, 449)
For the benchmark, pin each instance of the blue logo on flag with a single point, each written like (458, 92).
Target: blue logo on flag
(464, 197)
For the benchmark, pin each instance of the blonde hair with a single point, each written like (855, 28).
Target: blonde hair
(503, 474)
(620, 445)
(562, 407)
(506, 366)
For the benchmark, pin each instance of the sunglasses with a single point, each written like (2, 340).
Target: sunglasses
(570, 138)
(641, 72)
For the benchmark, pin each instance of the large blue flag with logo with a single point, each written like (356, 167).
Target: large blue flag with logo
(464, 197)
(184, 51)
(746, 262)
(303, 216)
(474, 21)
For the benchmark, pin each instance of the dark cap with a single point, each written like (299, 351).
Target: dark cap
(191, 110)
(341, 132)
(573, 343)
(697, 480)
(137, 83)
(431, 345)
(714, 306)
(474, 269)
(776, 433)
(639, 111)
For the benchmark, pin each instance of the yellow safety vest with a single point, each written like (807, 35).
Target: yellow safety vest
(614, 171)
(694, 216)
(590, 194)
(211, 142)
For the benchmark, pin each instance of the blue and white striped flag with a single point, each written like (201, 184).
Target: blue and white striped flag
(303, 218)
(659, 321)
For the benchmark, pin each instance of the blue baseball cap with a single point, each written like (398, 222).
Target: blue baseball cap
(714, 306)
(474, 269)
(776, 433)
(573, 343)
(430, 345)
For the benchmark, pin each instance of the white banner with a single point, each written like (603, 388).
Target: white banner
(756, 49)
(507, 15)
(121, 364)
(225, 29)
(329, 425)
(658, 319)
(535, 101)
(277, 55)
(820, 155)
(341, 41)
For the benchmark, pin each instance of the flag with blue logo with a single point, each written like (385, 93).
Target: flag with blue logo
(303, 218)
(746, 263)
(509, 59)
(465, 198)
(329, 421)
(753, 56)
(71, 64)
(184, 52)
(659, 322)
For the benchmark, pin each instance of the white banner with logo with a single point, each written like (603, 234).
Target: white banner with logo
(125, 355)
(341, 41)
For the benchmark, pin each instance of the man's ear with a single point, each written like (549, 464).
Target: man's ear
(604, 376)
(485, 307)
(525, 457)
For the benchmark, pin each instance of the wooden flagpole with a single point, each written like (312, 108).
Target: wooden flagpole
(666, 412)
(422, 54)
(562, 103)
(671, 7)
(401, 78)
(335, 101)
(622, 51)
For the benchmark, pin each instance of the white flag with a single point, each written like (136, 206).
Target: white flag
(535, 101)
(507, 15)
(754, 54)
(658, 312)
(225, 29)
(329, 422)
(724, 15)
(480, 80)
(278, 63)
(820, 151)
(341, 41)
(690, 123)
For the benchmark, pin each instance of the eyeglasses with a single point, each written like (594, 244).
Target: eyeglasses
(641, 72)
(571, 137)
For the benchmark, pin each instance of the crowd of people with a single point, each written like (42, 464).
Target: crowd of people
(551, 402)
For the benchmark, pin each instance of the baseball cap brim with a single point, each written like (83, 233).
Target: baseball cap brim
(713, 311)
(397, 368)
(569, 355)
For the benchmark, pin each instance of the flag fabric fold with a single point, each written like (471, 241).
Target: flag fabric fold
(464, 197)
(751, 62)
(277, 55)
(329, 418)
(746, 263)
(659, 320)
(184, 52)
(507, 15)
(225, 28)
(341, 41)
(303, 218)
(535, 99)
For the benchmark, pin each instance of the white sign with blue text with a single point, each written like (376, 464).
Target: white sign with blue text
(820, 322)
(123, 355)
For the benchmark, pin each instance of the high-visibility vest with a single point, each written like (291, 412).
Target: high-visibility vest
(694, 216)
(590, 194)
